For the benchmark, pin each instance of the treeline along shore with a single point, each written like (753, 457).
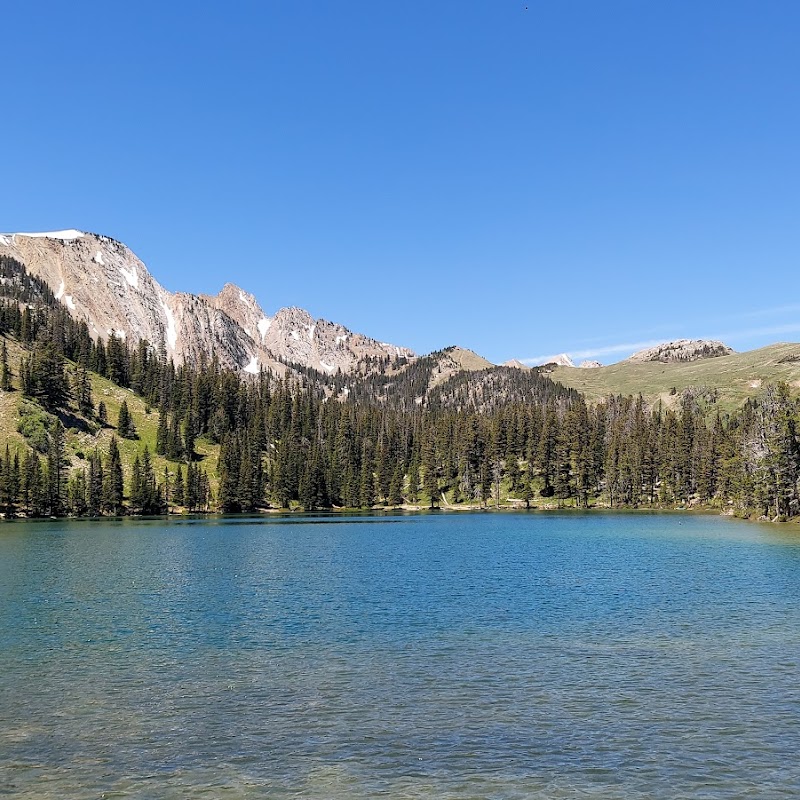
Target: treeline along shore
(97, 427)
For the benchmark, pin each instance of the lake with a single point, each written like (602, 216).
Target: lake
(539, 655)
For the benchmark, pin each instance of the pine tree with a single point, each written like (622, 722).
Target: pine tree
(95, 485)
(430, 480)
(177, 489)
(76, 493)
(162, 432)
(5, 372)
(413, 482)
(56, 469)
(395, 497)
(34, 488)
(83, 391)
(125, 427)
(8, 494)
(366, 491)
(527, 492)
(228, 471)
(45, 378)
(135, 492)
(112, 480)
(150, 495)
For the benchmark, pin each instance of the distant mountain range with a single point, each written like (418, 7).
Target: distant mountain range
(101, 281)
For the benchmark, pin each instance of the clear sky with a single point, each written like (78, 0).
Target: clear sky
(519, 178)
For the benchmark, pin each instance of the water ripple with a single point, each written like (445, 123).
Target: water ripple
(442, 656)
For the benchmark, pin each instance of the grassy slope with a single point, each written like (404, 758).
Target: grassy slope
(84, 442)
(468, 360)
(455, 359)
(737, 377)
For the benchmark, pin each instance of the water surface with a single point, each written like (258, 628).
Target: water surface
(440, 656)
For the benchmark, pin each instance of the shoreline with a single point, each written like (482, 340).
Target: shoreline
(377, 511)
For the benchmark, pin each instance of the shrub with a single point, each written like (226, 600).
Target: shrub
(34, 424)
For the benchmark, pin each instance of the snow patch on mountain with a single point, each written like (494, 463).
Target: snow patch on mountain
(66, 236)
(172, 328)
(252, 367)
(561, 360)
(112, 290)
(131, 276)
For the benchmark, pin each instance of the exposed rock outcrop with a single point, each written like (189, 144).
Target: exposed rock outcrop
(682, 350)
(562, 360)
(101, 281)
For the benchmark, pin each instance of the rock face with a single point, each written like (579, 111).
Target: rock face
(562, 360)
(455, 359)
(589, 365)
(102, 282)
(515, 363)
(682, 350)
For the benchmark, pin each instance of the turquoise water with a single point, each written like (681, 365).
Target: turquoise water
(444, 656)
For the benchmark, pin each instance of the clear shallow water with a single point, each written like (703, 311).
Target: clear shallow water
(445, 656)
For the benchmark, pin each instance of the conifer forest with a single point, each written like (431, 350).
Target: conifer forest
(312, 441)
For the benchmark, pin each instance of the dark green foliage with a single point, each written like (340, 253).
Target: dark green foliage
(82, 391)
(5, 371)
(177, 488)
(56, 469)
(34, 424)
(112, 492)
(9, 483)
(145, 495)
(43, 377)
(125, 427)
(475, 437)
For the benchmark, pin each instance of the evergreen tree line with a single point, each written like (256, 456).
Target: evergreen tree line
(301, 441)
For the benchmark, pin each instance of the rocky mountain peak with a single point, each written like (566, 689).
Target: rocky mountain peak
(102, 282)
(515, 363)
(562, 360)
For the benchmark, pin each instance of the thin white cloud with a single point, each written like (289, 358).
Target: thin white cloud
(771, 330)
(594, 352)
(768, 312)
(632, 347)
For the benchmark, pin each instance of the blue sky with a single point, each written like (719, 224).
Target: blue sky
(518, 178)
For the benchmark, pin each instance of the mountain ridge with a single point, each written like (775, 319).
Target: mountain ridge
(102, 281)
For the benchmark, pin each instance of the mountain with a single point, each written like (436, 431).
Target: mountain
(682, 350)
(101, 281)
(562, 360)
(515, 363)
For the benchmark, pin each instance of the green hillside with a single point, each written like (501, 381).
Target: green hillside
(730, 380)
(84, 434)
